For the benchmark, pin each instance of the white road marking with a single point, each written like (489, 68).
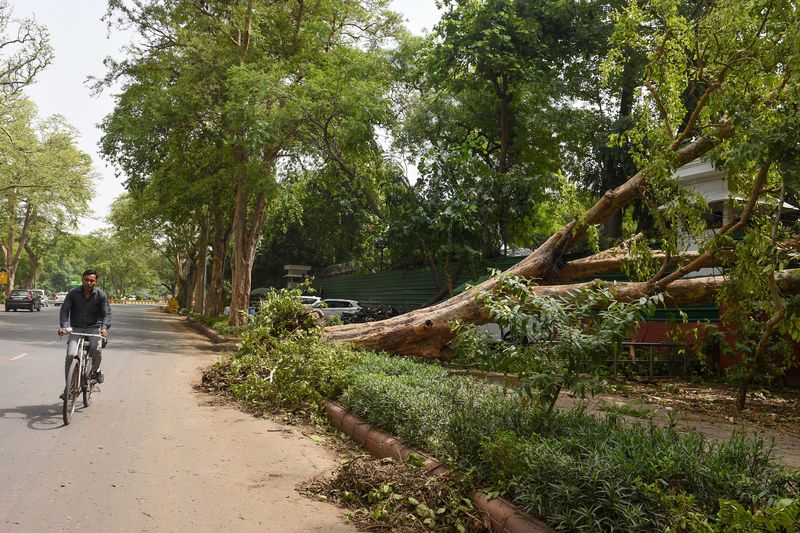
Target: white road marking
(20, 356)
(52, 342)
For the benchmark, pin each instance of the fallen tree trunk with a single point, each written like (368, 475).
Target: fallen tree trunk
(425, 332)
(610, 262)
(411, 334)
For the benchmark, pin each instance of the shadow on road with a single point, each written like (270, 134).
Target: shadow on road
(39, 417)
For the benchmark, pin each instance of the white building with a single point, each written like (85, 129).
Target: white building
(295, 275)
(701, 177)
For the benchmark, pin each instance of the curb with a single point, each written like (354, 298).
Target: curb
(210, 333)
(503, 516)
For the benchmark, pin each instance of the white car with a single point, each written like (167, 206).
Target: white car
(337, 306)
(311, 301)
(42, 297)
(59, 298)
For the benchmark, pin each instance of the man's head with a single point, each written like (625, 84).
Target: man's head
(89, 279)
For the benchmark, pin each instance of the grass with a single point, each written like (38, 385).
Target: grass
(625, 409)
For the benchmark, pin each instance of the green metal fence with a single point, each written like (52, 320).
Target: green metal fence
(412, 288)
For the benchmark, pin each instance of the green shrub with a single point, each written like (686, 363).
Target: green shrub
(402, 397)
(560, 342)
(578, 472)
(782, 515)
(282, 361)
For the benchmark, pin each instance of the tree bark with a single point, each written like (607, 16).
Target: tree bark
(186, 284)
(13, 253)
(426, 332)
(245, 237)
(610, 262)
(33, 275)
(446, 289)
(222, 234)
(201, 282)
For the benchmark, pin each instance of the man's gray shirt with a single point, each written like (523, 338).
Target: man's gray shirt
(83, 312)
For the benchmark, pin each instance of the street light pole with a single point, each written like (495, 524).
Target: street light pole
(380, 245)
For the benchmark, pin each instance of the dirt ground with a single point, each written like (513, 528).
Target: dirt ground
(709, 409)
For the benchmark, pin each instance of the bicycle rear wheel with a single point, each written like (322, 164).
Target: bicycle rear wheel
(71, 391)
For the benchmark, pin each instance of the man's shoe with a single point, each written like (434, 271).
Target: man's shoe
(99, 376)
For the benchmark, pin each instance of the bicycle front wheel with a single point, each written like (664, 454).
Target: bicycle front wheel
(88, 383)
(71, 391)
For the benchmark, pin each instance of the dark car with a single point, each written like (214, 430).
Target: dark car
(23, 299)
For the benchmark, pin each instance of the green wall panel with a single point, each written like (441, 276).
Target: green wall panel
(410, 289)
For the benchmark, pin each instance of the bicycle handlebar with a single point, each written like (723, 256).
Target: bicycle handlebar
(70, 332)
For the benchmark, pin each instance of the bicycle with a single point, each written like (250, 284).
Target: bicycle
(79, 379)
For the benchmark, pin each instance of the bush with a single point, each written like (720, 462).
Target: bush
(559, 342)
(578, 472)
(282, 361)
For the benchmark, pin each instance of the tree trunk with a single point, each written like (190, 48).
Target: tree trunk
(616, 162)
(222, 234)
(33, 275)
(187, 284)
(425, 332)
(176, 292)
(409, 334)
(24, 234)
(446, 289)
(609, 262)
(201, 282)
(246, 232)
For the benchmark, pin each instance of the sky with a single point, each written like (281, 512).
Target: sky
(81, 41)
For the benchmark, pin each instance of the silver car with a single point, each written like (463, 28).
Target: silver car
(340, 307)
(311, 301)
(42, 297)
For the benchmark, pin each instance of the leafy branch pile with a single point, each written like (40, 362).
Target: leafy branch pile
(400, 496)
(556, 342)
(282, 361)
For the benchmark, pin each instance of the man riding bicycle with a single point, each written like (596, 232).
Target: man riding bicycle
(86, 310)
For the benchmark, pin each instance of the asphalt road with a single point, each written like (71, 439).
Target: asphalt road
(150, 453)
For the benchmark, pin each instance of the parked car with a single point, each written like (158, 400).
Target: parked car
(42, 297)
(343, 308)
(311, 301)
(23, 299)
(59, 299)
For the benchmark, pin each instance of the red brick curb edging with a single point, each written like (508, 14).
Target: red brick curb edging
(503, 516)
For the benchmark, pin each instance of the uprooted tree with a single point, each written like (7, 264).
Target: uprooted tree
(721, 83)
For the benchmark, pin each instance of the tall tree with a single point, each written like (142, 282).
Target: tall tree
(738, 58)
(24, 52)
(242, 70)
(44, 174)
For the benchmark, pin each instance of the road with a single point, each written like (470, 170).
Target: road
(150, 453)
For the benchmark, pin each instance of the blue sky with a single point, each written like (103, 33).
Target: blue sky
(81, 42)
